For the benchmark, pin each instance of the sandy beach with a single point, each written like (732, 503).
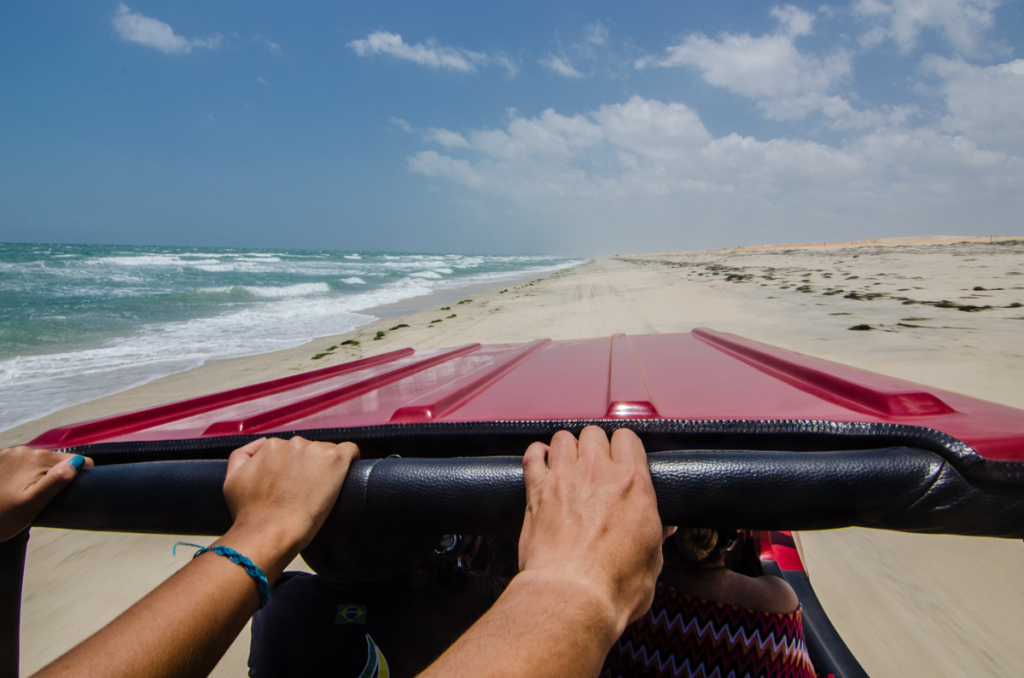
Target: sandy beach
(947, 312)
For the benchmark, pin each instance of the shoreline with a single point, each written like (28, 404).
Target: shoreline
(875, 585)
(729, 266)
(13, 435)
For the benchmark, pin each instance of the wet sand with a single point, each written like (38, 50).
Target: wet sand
(944, 312)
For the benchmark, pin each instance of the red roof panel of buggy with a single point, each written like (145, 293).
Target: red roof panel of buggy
(702, 375)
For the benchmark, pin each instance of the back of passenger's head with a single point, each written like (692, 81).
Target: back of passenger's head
(700, 545)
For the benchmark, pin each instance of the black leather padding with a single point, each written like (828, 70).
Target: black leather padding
(897, 488)
(496, 438)
(12, 568)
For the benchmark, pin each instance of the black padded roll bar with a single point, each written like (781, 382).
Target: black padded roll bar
(898, 488)
(904, 489)
(12, 567)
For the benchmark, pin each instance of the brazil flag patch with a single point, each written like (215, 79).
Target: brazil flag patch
(350, 614)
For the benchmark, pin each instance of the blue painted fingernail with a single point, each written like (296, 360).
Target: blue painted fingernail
(77, 461)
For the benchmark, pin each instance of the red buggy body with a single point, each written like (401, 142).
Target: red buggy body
(739, 435)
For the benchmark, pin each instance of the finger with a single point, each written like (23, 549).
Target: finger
(535, 467)
(626, 446)
(298, 444)
(343, 453)
(563, 450)
(244, 454)
(52, 482)
(594, 443)
(350, 452)
(85, 461)
(337, 459)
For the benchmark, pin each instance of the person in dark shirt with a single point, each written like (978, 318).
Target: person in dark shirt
(708, 619)
(314, 626)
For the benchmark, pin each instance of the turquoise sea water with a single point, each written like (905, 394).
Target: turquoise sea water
(80, 321)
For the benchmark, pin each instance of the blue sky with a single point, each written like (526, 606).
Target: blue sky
(565, 127)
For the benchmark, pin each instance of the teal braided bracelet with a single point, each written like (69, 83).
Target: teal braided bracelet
(234, 556)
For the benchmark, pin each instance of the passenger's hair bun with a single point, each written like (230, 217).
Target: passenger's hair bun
(696, 544)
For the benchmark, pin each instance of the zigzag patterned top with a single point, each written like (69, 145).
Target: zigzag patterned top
(683, 636)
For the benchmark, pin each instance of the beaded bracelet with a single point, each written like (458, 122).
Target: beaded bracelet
(234, 556)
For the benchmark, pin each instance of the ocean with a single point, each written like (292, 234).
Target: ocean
(82, 321)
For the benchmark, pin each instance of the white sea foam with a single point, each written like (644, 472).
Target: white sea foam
(415, 286)
(234, 265)
(282, 300)
(151, 260)
(199, 260)
(299, 290)
(47, 383)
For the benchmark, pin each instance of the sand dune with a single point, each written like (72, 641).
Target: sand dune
(947, 312)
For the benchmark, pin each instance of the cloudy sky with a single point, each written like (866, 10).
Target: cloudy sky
(539, 127)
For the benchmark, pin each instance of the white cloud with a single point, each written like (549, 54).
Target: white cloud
(212, 42)
(786, 83)
(644, 144)
(506, 62)
(592, 49)
(653, 166)
(650, 128)
(793, 21)
(876, 36)
(552, 135)
(842, 115)
(595, 33)
(961, 22)
(429, 54)
(560, 65)
(400, 124)
(984, 103)
(269, 44)
(447, 138)
(144, 30)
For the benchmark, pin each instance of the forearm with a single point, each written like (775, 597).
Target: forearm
(538, 628)
(185, 625)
